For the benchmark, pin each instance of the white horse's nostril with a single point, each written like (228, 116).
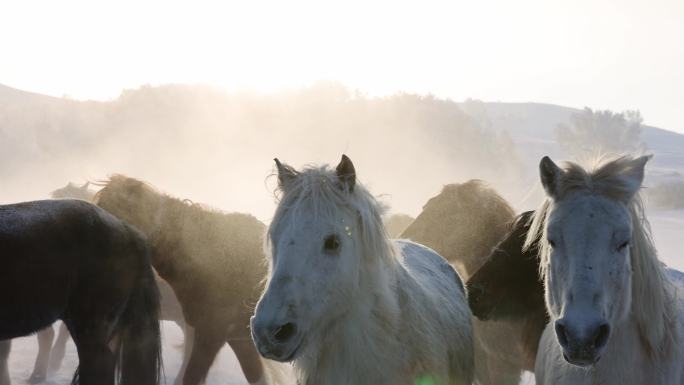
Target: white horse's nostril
(561, 333)
(285, 332)
(601, 337)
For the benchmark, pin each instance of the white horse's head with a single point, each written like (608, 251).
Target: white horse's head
(323, 227)
(586, 231)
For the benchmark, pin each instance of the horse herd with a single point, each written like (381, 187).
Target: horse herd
(469, 293)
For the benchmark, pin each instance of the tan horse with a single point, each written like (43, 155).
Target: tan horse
(213, 261)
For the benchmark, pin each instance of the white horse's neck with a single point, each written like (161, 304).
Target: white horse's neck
(354, 348)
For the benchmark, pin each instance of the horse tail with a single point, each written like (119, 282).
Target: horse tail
(139, 331)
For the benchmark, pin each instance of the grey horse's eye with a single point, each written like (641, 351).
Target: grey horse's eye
(331, 243)
(623, 246)
(552, 243)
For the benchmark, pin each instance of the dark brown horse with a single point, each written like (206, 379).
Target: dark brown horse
(213, 261)
(70, 260)
(49, 358)
(507, 287)
(5, 346)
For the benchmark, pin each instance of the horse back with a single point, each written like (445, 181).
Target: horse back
(422, 261)
(61, 224)
(59, 255)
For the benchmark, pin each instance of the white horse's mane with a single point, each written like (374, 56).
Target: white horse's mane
(320, 186)
(653, 302)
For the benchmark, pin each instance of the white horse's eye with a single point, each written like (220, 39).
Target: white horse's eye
(623, 246)
(331, 244)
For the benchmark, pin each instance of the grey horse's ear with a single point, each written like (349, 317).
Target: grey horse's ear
(634, 174)
(550, 175)
(85, 186)
(346, 173)
(286, 174)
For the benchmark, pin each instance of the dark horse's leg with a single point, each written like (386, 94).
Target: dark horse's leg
(249, 358)
(57, 354)
(96, 360)
(45, 337)
(207, 342)
(5, 347)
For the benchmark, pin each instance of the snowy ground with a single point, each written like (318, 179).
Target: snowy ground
(668, 229)
(225, 371)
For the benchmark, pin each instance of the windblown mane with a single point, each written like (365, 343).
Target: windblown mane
(653, 303)
(319, 187)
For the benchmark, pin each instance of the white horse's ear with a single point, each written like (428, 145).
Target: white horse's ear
(85, 186)
(346, 173)
(550, 175)
(286, 174)
(634, 174)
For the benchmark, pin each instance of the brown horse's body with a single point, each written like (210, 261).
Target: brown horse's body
(464, 223)
(213, 261)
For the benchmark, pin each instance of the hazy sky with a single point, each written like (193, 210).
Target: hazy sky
(616, 54)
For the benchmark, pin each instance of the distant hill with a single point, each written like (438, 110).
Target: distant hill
(13, 95)
(216, 147)
(532, 126)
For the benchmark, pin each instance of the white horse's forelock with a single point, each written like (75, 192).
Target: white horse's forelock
(319, 186)
(653, 302)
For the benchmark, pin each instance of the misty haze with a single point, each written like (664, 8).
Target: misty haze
(216, 148)
(338, 193)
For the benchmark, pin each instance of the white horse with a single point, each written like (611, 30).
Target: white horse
(347, 305)
(616, 317)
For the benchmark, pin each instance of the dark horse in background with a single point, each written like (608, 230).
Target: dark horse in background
(507, 287)
(49, 358)
(213, 261)
(70, 260)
